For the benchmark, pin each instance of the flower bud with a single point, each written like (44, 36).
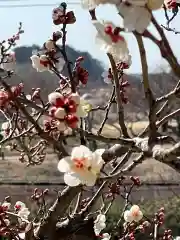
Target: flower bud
(50, 45)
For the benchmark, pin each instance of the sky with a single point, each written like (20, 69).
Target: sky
(38, 27)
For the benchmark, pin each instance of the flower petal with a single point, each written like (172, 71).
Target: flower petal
(106, 236)
(101, 35)
(127, 216)
(135, 208)
(138, 217)
(64, 164)
(81, 152)
(100, 218)
(97, 161)
(89, 180)
(71, 179)
(81, 112)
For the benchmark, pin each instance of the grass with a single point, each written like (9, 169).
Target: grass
(149, 171)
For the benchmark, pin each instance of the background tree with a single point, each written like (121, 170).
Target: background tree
(34, 125)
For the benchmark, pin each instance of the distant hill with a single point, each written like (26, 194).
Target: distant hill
(161, 82)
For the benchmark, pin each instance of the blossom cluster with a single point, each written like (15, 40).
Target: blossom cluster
(66, 110)
(20, 211)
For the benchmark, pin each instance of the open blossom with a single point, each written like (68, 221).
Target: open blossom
(22, 211)
(19, 205)
(134, 17)
(40, 63)
(6, 205)
(67, 110)
(99, 224)
(135, 14)
(134, 214)
(82, 167)
(5, 128)
(111, 41)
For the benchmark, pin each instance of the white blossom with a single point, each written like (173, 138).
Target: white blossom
(24, 213)
(82, 167)
(118, 49)
(134, 214)
(5, 126)
(40, 63)
(22, 235)
(99, 224)
(6, 205)
(134, 17)
(106, 236)
(19, 205)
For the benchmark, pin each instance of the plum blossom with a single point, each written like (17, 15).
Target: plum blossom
(134, 214)
(110, 40)
(22, 235)
(5, 128)
(22, 211)
(40, 63)
(50, 45)
(99, 223)
(82, 167)
(67, 110)
(19, 205)
(6, 205)
(105, 236)
(134, 17)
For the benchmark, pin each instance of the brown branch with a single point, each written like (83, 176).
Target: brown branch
(58, 209)
(107, 111)
(164, 47)
(147, 89)
(120, 109)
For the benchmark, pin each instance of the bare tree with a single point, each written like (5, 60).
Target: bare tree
(71, 216)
